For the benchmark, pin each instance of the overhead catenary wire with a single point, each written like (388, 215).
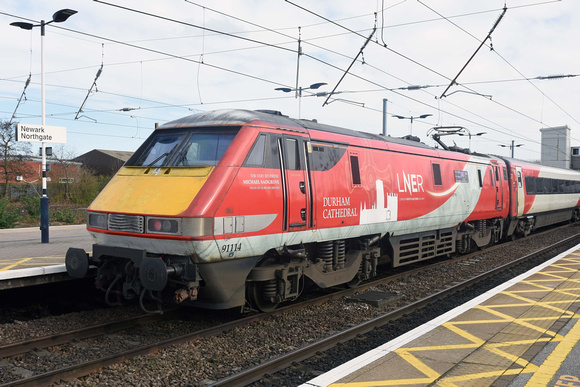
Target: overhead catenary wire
(351, 64)
(262, 79)
(190, 24)
(94, 85)
(381, 86)
(23, 95)
(429, 20)
(221, 68)
(356, 33)
(506, 61)
(495, 25)
(180, 57)
(453, 82)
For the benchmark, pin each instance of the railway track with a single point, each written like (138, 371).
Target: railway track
(84, 368)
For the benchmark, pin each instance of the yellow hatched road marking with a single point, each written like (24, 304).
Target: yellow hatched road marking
(466, 335)
(546, 288)
(450, 381)
(541, 375)
(6, 268)
(555, 273)
(429, 372)
(519, 321)
(26, 262)
(496, 349)
(529, 302)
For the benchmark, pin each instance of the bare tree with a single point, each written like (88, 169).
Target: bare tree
(64, 158)
(12, 154)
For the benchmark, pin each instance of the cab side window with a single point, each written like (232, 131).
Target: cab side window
(264, 153)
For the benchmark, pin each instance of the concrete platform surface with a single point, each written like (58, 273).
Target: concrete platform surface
(525, 332)
(21, 248)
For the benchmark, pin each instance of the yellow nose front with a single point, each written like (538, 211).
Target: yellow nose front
(155, 191)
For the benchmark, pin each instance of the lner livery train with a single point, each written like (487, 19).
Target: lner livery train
(232, 208)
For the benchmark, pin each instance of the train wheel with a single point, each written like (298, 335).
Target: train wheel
(258, 295)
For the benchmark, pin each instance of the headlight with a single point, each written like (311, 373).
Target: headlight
(163, 226)
(97, 220)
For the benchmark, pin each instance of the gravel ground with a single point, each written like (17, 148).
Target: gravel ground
(207, 360)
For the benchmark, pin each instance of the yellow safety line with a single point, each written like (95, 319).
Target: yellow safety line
(552, 364)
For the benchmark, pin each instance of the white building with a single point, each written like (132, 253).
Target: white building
(556, 150)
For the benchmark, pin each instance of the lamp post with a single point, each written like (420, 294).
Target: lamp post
(58, 17)
(470, 135)
(314, 86)
(512, 147)
(412, 118)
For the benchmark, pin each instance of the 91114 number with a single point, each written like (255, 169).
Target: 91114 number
(231, 248)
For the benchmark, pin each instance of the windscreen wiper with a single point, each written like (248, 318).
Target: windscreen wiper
(157, 159)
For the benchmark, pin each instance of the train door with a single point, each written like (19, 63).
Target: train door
(520, 191)
(498, 187)
(297, 188)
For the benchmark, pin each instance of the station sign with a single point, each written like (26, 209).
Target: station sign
(40, 133)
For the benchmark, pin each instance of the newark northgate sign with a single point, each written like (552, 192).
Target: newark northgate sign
(40, 133)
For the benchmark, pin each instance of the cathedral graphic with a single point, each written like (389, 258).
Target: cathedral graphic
(379, 211)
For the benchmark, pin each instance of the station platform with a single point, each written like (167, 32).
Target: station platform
(525, 332)
(25, 261)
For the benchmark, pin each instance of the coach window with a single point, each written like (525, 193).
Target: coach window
(530, 184)
(354, 168)
(547, 185)
(519, 179)
(541, 186)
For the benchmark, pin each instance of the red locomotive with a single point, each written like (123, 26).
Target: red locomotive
(234, 207)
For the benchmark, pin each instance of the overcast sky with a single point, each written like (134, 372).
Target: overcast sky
(162, 60)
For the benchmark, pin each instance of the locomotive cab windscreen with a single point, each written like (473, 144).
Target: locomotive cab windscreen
(178, 159)
(183, 148)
